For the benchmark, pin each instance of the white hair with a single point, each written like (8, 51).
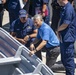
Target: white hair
(38, 16)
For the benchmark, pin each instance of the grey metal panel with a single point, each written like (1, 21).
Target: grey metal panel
(33, 59)
(8, 45)
(27, 64)
(6, 69)
(6, 49)
(9, 39)
(10, 60)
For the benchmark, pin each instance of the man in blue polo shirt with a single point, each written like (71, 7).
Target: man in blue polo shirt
(41, 7)
(49, 41)
(67, 36)
(23, 29)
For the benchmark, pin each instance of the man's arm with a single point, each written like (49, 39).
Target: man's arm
(33, 35)
(36, 41)
(62, 27)
(41, 45)
(18, 39)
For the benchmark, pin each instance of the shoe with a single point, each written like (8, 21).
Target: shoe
(58, 67)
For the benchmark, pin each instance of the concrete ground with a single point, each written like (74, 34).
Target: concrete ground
(6, 27)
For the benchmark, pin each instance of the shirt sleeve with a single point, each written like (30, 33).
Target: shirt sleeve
(12, 27)
(45, 34)
(68, 16)
(46, 1)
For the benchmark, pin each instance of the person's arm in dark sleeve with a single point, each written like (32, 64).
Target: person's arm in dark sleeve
(13, 33)
(67, 20)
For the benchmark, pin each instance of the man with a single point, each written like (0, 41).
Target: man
(49, 41)
(23, 29)
(54, 26)
(67, 36)
(40, 7)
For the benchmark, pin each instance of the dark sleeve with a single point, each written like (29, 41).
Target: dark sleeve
(68, 16)
(27, 5)
(1, 7)
(46, 1)
(12, 26)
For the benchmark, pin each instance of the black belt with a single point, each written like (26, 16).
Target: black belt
(52, 47)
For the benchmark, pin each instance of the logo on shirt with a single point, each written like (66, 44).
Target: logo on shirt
(29, 27)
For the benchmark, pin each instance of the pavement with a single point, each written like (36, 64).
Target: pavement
(57, 72)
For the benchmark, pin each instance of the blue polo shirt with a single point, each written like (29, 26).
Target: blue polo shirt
(45, 32)
(22, 29)
(66, 17)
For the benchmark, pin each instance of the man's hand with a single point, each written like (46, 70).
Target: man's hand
(3, 1)
(32, 52)
(21, 41)
(26, 38)
(32, 47)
